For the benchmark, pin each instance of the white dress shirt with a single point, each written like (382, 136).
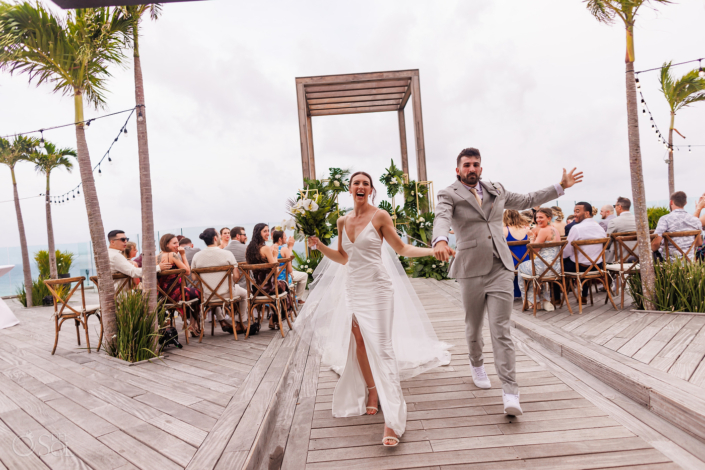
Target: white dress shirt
(588, 229)
(120, 264)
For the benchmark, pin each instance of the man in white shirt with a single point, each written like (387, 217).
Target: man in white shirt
(585, 229)
(677, 221)
(607, 214)
(118, 262)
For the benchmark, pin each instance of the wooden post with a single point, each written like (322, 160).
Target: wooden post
(418, 129)
(402, 141)
(303, 131)
(311, 159)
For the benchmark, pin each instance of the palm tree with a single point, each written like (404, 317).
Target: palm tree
(149, 267)
(688, 89)
(45, 162)
(606, 11)
(10, 155)
(73, 54)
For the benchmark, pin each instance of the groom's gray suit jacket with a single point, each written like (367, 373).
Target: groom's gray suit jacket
(478, 230)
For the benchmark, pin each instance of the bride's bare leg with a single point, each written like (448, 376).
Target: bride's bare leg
(372, 398)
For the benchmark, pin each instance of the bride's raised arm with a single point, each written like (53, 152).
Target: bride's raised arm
(339, 255)
(390, 234)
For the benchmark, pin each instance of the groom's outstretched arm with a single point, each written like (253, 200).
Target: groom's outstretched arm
(525, 201)
(441, 226)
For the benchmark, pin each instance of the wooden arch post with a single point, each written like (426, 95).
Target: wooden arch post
(375, 92)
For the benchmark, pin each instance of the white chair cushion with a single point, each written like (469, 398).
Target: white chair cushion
(264, 297)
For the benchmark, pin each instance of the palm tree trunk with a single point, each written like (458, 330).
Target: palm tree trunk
(26, 268)
(646, 265)
(53, 272)
(149, 263)
(671, 173)
(106, 288)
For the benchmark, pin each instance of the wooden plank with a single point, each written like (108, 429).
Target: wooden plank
(418, 129)
(641, 338)
(310, 96)
(619, 339)
(363, 109)
(86, 420)
(672, 351)
(318, 107)
(311, 156)
(16, 454)
(659, 341)
(358, 77)
(353, 99)
(690, 358)
(365, 85)
(303, 131)
(297, 444)
(402, 138)
(137, 453)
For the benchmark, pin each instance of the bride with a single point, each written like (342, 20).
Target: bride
(368, 323)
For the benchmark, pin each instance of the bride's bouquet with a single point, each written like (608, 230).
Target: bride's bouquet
(313, 212)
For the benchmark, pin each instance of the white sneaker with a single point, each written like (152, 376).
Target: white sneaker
(479, 376)
(548, 306)
(511, 404)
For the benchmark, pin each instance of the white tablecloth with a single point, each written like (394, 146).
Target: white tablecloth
(7, 318)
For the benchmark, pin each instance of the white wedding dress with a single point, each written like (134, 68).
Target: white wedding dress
(373, 290)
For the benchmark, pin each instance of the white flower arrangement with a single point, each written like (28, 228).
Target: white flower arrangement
(309, 205)
(413, 193)
(433, 266)
(309, 270)
(308, 260)
(421, 219)
(336, 183)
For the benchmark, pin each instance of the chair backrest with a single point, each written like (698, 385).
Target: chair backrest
(549, 272)
(594, 263)
(174, 292)
(64, 298)
(668, 239)
(626, 249)
(216, 283)
(517, 260)
(256, 289)
(123, 282)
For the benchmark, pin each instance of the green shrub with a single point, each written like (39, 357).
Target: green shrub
(654, 214)
(136, 338)
(429, 267)
(39, 291)
(307, 265)
(679, 287)
(63, 262)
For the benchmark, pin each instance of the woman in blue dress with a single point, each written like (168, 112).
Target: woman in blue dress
(516, 228)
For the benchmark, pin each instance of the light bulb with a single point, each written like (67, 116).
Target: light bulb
(690, 150)
(110, 160)
(100, 172)
(124, 129)
(701, 73)
(88, 123)
(41, 143)
(140, 117)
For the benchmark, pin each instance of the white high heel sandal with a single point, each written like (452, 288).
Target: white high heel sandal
(372, 407)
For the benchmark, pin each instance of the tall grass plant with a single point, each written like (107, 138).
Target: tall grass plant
(680, 287)
(136, 339)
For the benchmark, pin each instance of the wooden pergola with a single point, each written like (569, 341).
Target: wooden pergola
(375, 92)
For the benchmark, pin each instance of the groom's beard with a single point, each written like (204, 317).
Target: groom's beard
(470, 180)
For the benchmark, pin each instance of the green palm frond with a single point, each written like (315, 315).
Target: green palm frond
(73, 54)
(52, 158)
(682, 92)
(605, 11)
(20, 149)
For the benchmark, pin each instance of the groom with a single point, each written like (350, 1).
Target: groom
(483, 265)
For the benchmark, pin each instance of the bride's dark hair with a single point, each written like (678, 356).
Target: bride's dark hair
(374, 191)
(252, 253)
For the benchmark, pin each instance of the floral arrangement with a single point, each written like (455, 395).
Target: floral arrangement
(420, 228)
(430, 267)
(396, 213)
(410, 190)
(307, 264)
(393, 179)
(338, 181)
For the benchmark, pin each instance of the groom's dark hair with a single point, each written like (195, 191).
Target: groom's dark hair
(468, 152)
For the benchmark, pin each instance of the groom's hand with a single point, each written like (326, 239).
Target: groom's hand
(570, 179)
(442, 251)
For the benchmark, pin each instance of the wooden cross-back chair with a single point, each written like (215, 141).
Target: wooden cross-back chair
(123, 283)
(211, 298)
(173, 297)
(292, 287)
(689, 253)
(550, 275)
(518, 260)
(626, 261)
(593, 272)
(68, 312)
(258, 297)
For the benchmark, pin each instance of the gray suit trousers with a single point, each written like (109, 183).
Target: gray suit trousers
(494, 293)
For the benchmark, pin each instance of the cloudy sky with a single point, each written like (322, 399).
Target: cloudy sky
(537, 86)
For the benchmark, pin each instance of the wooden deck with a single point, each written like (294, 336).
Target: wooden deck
(265, 403)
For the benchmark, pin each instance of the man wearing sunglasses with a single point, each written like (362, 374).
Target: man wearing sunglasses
(119, 262)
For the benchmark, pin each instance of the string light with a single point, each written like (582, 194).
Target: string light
(140, 118)
(131, 110)
(41, 140)
(701, 72)
(659, 137)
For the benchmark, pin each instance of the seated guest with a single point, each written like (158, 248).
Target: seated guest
(175, 257)
(259, 253)
(131, 252)
(569, 223)
(224, 237)
(623, 222)
(289, 274)
(189, 250)
(547, 233)
(119, 263)
(585, 228)
(558, 221)
(237, 247)
(607, 214)
(215, 256)
(516, 228)
(677, 221)
(699, 210)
